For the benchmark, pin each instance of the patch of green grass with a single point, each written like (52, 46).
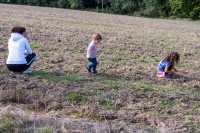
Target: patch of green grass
(106, 101)
(76, 114)
(76, 98)
(48, 76)
(7, 125)
(74, 78)
(13, 95)
(195, 108)
(107, 104)
(195, 94)
(35, 45)
(166, 104)
(143, 59)
(65, 79)
(2, 41)
(44, 130)
(197, 125)
(193, 127)
(145, 86)
(113, 84)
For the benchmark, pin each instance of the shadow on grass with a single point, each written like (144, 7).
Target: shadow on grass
(185, 78)
(67, 78)
(52, 77)
(107, 76)
(179, 78)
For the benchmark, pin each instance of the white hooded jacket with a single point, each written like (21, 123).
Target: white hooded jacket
(18, 47)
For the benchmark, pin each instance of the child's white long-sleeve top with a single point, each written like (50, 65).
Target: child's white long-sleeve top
(91, 50)
(18, 46)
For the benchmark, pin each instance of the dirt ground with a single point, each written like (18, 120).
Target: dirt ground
(125, 89)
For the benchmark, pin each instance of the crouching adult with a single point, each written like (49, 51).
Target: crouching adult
(20, 55)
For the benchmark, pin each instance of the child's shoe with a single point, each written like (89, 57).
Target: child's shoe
(95, 72)
(28, 71)
(88, 69)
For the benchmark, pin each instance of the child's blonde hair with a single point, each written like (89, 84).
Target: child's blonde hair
(96, 36)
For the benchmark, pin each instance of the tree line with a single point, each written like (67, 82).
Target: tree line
(149, 8)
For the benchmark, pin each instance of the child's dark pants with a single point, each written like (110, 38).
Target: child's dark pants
(92, 65)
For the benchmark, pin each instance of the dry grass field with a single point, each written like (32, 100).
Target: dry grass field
(124, 97)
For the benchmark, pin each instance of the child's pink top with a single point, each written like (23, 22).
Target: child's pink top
(91, 50)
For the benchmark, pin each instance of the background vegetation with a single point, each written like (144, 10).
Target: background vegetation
(149, 8)
(125, 96)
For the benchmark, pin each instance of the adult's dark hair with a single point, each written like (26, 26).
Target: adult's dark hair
(18, 29)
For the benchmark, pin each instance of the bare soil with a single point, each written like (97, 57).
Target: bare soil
(124, 96)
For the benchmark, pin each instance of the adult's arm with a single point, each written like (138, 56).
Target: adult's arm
(28, 47)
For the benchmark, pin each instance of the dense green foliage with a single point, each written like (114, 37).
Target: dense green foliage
(155, 8)
(125, 6)
(150, 8)
(195, 13)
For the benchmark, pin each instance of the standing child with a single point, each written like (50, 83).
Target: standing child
(91, 53)
(166, 67)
